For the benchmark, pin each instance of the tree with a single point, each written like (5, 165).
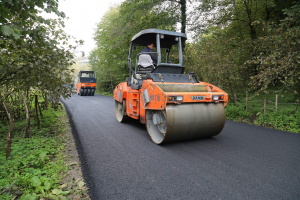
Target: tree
(238, 24)
(278, 53)
(31, 55)
(34, 56)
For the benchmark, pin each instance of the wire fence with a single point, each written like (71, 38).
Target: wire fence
(259, 105)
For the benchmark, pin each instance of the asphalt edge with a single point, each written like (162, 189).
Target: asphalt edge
(84, 167)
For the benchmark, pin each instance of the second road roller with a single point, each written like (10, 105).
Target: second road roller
(86, 83)
(175, 106)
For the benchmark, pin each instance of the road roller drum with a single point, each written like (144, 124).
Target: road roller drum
(185, 122)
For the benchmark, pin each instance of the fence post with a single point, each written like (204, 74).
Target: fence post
(235, 100)
(229, 99)
(276, 102)
(246, 101)
(265, 106)
(297, 105)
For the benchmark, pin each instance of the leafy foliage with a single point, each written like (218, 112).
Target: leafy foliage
(278, 53)
(33, 53)
(36, 163)
(253, 44)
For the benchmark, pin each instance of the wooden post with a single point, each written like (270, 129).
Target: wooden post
(246, 101)
(36, 111)
(229, 99)
(297, 105)
(265, 106)
(276, 102)
(235, 100)
(27, 131)
(10, 131)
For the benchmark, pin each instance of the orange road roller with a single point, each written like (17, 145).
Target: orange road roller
(174, 106)
(86, 83)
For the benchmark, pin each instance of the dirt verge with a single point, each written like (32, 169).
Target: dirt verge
(73, 180)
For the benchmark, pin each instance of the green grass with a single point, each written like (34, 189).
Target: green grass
(36, 164)
(286, 118)
(105, 93)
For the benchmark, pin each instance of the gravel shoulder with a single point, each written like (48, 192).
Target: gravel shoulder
(73, 180)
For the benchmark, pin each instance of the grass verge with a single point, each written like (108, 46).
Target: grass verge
(285, 120)
(104, 93)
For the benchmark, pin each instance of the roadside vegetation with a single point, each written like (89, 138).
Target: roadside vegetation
(286, 118)
(35, 60)
(238, 45)
(36, 164)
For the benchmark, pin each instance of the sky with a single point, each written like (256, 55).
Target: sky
(83, 17)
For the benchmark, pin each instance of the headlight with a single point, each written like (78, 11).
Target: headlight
(179, 98)
(175, 98)
(215, 98)
(82, 84)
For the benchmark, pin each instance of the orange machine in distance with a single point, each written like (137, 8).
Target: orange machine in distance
(86, 83)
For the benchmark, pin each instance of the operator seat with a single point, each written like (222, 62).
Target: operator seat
(145, 65)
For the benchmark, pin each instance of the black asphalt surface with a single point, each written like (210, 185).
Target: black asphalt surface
(119, 161)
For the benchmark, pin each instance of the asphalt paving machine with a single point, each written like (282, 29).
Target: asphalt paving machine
(173, 105)
(86, 83)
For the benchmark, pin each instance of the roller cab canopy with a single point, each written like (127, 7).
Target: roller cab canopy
(87, 77)
(144, 37)
(163, 41)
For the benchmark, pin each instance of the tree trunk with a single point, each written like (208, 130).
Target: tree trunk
(36, 111)
(249, 15)
(41, 114)
(183, 19)
(253, 69)
(46, 102)
(183, 15)
(111, 82)
(10, 131)
(27, 132)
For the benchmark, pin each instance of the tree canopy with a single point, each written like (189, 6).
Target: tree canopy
(33, 49)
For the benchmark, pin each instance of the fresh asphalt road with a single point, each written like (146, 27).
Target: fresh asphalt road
(119, 161)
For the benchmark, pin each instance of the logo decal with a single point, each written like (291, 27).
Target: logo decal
(198, 97)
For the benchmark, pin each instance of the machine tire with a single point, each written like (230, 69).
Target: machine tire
(89, 92)
(81, 92)
(85, 92)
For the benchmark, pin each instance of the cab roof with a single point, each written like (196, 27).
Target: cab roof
(87, 72)
(144, 37)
